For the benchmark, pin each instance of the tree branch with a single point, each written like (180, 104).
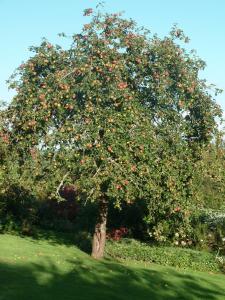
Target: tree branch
(61, 183)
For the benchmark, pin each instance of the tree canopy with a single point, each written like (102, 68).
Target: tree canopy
(122, 114)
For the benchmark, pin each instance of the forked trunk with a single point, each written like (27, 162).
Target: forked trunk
(99, 238)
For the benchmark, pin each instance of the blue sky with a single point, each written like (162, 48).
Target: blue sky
(24, 22)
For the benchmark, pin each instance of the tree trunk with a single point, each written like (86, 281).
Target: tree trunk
(99, 238)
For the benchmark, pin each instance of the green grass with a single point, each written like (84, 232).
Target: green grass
(48, 269)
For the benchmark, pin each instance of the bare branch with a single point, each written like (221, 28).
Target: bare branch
(61, 183)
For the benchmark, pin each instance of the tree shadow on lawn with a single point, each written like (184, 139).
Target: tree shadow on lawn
(81, 239)
(88, 279)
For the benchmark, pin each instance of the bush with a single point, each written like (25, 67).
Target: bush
(53, 210)
(129, 216)
(117, 234)
(209, 230)
(221, 262)
(18, 208)
(129, 249)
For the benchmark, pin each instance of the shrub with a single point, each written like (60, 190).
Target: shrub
(17, 207)
(221, 262)
(54, 210)
(129, 249)
(117, 234)
(174, 227)
(209, 230)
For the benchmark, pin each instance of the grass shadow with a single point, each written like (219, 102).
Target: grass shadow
(80, 239)
(88, 279)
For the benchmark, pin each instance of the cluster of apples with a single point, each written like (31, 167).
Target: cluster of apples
(42, 97)
(122, 85)
(64, 87)
(120, 186)
(69, 106)
(4, 137)
(31, 123)
(177, 209)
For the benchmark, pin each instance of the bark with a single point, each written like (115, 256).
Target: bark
(99, 238)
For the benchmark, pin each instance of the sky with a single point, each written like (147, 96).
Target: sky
(25, 22)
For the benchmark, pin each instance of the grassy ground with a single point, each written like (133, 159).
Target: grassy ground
(48, 269)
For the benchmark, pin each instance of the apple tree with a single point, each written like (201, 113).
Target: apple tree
(113, 113)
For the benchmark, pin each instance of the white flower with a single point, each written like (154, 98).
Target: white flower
(223, 239)
(176, 234)
(220, 259)
(176, 243)
(183, 243)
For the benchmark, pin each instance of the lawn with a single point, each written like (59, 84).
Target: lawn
(48, 269)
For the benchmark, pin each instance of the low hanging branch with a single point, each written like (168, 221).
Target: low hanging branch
(61, 184)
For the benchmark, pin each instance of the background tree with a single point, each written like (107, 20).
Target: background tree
(210, 179)
(121, 114)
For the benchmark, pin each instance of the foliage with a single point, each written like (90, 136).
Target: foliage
(21, 193)
(209, 230)
(211, 178)
(184, 224)
(128, 249)
(117, 234)
(81, 218)
(221, 261)
(107, 106)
